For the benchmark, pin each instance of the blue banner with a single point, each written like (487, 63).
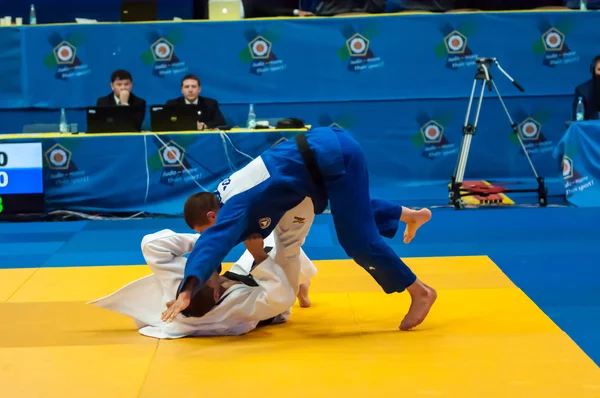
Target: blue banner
(335, 59)
(138, 172)
(579, 155)
(400, 84)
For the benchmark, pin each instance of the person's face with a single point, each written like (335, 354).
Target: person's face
(597, 69)
(212, 220)
(120, 85)
(190, 89)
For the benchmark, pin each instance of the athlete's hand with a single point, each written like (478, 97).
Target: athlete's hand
(175, 307)
(215, 283)
(255, 245)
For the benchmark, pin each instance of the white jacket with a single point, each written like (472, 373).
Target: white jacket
(240, 310)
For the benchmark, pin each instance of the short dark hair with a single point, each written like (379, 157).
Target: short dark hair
(196, 207)
(120, 74)
(190, 77)
(202, 302)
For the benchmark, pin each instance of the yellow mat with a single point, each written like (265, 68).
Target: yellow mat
(484, 338)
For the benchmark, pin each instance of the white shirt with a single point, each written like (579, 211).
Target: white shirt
(191, 103)
(239, 312)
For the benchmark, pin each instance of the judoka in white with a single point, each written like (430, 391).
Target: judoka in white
(241, 308)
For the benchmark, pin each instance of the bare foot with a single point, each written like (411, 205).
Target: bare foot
(414, 219)
(303, 298)
(423, 298)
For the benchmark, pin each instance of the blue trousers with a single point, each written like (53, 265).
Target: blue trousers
(361, 223)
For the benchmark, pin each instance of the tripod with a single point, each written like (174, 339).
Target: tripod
(456, 192)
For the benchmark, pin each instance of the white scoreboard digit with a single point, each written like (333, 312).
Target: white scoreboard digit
(21, 178)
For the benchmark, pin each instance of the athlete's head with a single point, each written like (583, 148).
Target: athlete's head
(204, 301)
(200, 211)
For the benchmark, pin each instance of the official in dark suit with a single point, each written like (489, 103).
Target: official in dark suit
(121, 83)
(589, 92)
(209, 114)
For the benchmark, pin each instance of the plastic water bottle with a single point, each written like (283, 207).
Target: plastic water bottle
(251, 117)
(580, 113)
(32, 18)
(583, 5)
(63, 126)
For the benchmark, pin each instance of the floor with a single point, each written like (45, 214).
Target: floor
(517, 315)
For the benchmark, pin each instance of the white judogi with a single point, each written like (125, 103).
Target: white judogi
(241, 307)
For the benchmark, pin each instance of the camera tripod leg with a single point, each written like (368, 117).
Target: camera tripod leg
(542, 190)
(468, 132)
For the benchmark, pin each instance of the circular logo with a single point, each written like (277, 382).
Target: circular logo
(260, 48)
(529, 130)
(64, 53)
(567, 168)
(432, 132)
(358, 45)
(162, 50)
(58, 157)
(456, 42)
(553, 40)
(171, 154)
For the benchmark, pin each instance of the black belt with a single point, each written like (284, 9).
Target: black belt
(312, 167)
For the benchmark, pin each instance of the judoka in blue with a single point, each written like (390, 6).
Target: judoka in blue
(327, 165)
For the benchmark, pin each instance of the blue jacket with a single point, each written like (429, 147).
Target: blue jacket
(255, 198)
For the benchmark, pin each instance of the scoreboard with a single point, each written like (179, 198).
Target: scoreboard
(21, 178)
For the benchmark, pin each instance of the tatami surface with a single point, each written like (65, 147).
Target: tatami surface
(484, 338)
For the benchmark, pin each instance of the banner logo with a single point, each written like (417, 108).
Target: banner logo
(171, 155)
(430, 137)
(171, 161)
(552, 44)
(567, 168)
(63, 170)
(161, 55)
(531, 131)
(259, 53)
(454, 46)
(64, 58)
(357, 52)
(574, 181)
(58, 157)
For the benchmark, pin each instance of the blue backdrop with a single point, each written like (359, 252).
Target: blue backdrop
(140, 172)
(579, 156)
(399, 83)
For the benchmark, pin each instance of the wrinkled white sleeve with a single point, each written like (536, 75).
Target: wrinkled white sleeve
(273, 296)
(163, 252)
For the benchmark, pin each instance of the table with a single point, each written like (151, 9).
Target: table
(579, 154)
(141, 172)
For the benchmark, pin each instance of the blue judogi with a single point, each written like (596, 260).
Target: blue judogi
(256, 197)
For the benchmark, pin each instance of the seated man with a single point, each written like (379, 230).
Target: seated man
(247, 300)
(589, 92)
(121, 85)
(209, 114)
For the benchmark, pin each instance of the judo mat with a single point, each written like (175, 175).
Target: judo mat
(517, 315)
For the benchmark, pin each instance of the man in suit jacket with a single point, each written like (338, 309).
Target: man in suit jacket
(121, 83)
(589, 92)
(209, 114)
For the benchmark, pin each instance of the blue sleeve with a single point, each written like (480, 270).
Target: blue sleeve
(387, 217)
(214, 243)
